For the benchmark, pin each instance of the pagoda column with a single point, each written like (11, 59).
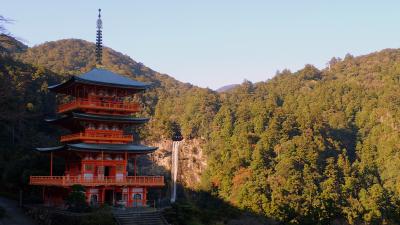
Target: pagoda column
(129, 197)
(103, 190)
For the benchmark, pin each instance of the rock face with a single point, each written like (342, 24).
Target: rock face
(192, 161)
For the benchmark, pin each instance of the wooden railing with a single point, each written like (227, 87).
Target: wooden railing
(98, 137)
(81, 103)
(97, 181)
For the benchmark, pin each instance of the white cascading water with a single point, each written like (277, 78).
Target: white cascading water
(174, 168)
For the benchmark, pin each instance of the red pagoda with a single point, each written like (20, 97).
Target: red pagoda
(98, 149)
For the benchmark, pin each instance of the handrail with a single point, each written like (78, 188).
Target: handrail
(99, 104)
(101, 131)
(83, 135)
(96, 135)
(97, 180)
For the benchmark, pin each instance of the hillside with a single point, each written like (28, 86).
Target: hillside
(313, 146)
(306, 147)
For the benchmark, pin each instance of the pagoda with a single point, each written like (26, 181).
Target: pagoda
(98, 115)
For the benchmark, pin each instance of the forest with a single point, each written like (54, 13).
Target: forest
(306, 147)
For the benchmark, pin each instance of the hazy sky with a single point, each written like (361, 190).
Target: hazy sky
(214, 43)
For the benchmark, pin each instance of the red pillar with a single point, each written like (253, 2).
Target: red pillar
(129, 197)
(87, 195)
(102, 195)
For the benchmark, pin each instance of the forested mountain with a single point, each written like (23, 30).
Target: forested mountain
(313, 146)
(306, 147)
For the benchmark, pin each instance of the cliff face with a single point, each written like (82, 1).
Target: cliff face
(192, 161)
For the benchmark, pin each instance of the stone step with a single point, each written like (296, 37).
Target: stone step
(133, 217)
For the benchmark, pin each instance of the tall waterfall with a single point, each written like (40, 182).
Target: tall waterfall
(174, 168)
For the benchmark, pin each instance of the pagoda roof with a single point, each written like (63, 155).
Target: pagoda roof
(66, 118)
(101, 77)
(88, 147)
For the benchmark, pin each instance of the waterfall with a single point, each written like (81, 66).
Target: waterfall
(174, 168)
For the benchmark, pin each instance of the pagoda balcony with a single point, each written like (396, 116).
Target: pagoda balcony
(98, 136)
(112, 107)
(66, 181)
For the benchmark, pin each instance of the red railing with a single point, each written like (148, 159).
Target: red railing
(97, 181)
(98, 137)
(81, 103)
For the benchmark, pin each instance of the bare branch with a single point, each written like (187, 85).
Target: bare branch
(3, 21)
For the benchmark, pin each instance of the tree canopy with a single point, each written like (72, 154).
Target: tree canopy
(306, 147)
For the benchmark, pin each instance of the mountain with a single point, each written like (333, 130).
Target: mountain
(313, 146)
(10, 44)
(226, 88)
(74, 56)
(306, 147)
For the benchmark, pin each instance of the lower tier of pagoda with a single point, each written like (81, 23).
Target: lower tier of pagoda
(65, 181)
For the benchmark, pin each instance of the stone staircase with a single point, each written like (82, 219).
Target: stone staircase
(139, 217)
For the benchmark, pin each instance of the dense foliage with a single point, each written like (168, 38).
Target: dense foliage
(76, 199)
(313, 146)
(309, 147)
(24, 101)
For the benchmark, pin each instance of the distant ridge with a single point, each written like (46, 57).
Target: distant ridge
(11, 45)
(226, 88)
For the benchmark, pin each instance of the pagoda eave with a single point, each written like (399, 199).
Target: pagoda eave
(66, 119)
(101, 77)
(89, 147)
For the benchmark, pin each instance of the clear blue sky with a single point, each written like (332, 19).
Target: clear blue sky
(214, 43)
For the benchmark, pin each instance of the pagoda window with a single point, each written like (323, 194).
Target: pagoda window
(119, 168)
(100, 173)
(119, 172)
(88, 172)
(89, 168)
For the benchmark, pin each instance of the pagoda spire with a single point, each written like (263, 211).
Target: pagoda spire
(99, 44)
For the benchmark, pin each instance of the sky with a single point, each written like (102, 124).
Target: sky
(213, 43)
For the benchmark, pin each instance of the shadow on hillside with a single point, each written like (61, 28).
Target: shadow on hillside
(194, 206)
(201, 207)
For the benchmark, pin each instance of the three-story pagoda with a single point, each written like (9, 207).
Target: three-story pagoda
(98, 149)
